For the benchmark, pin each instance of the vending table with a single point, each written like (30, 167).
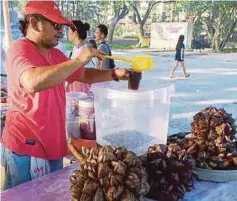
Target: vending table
(55, 187)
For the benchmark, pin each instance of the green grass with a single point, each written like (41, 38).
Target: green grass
(229, 50)
(131, 36)
(68, 45)
(114, 46)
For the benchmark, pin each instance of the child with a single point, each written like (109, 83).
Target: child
(179, 57)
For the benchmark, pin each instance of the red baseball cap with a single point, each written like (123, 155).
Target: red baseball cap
(48, 9)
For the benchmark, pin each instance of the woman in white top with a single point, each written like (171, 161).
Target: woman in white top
(77, 37)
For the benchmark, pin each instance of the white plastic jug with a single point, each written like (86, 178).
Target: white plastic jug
(132, 119)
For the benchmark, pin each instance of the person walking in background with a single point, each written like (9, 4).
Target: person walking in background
(100, 35)
(179, 57)
(77, 36)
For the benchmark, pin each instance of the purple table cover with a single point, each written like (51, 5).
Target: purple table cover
(55, 187)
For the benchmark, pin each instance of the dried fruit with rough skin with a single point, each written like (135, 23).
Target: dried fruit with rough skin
(132, 180)
(119, 167)
(170, 172)
(214, 133)
(108, 174)
(90, 186)
(234, 160)
(114, 193)
(99, 195)
(106, 157)
(129, 158)
(115, 179)
(103, 170)
(85, 197)
(128, 196)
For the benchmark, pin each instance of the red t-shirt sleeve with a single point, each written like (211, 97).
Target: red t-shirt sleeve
(75, 75)
(23, 56)
(21, 59)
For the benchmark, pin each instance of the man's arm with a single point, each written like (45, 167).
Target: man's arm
(41, 78)
(37, 79)
(91, 75)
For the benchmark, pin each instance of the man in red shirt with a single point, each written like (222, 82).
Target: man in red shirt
(34, 131)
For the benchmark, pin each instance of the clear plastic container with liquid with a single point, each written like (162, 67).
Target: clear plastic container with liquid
(132, 119)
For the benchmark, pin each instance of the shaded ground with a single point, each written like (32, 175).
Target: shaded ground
(212, 82)
(125, 41)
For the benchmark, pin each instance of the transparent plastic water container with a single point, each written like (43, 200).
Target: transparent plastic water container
(132, 119)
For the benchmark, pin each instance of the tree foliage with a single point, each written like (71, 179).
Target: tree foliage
(120, 10)
(141, 18)
(218, 18)
(95, 12)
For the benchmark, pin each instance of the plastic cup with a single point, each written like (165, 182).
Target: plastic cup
(134, 80)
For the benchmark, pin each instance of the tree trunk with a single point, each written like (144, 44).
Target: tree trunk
(141, 19)
(119, 14)
(216, 41)
(77, 10)
(67, 8)
(73, 9)
(97, 18)
(217, 32)
(134, 18)
(213, 43)
(217, 45)
(62, 4)
(12, 5)
(227, 38)
(141, 29)
(111, 30)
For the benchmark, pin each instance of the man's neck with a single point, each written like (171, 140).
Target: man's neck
(37, 44)
(101, 40)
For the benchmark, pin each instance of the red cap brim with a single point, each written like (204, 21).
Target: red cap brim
(59, 19)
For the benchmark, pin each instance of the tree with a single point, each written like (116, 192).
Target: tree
(217, 17)
(120, 10)
(91, 12)
(21, 4)
(141, 20)
(227, 38)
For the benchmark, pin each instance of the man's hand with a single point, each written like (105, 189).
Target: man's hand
(86, 55)
(123, 74)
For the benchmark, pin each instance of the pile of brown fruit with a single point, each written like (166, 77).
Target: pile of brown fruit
(165, 173)
(214, 133)
(108, 174)
(212, 142)
(170, 172)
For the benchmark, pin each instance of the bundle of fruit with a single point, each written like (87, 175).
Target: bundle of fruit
(108, 174)
(214, 133)
(170, 172)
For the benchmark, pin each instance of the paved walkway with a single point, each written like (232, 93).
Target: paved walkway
(213, 81)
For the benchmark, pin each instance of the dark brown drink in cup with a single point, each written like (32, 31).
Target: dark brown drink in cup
(134, 80)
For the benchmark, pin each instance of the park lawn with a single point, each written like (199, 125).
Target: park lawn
(114, 46)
